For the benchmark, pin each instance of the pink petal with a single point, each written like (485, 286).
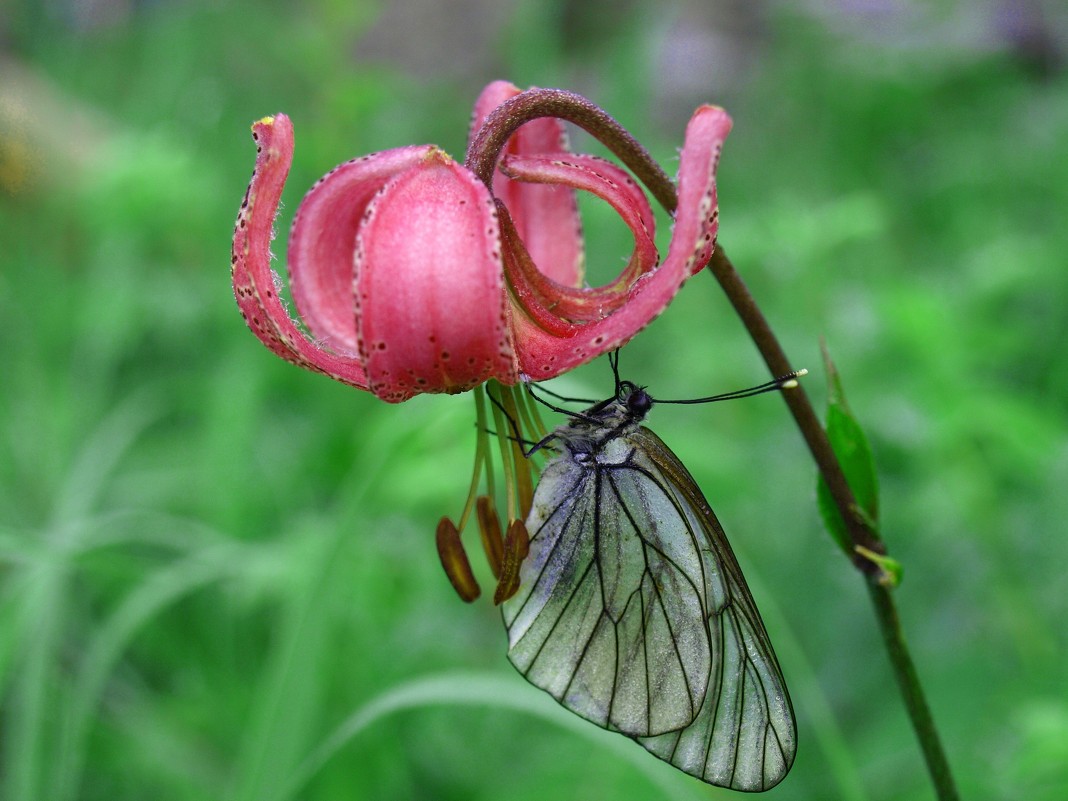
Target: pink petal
(697, 214)
(547, 216)
(253, 279)
(543, 355)
(590, 173)
(431, 303)
(612, 184)
(323, 239)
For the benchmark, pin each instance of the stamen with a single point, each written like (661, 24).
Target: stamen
(532, 422)
(512, 416)
(483, 426)
(521, 465)
(516, 548)
(482, 458)
(454, 560)
(503, 443)
(489, 525)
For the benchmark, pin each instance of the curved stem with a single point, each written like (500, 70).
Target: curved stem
(486, 147)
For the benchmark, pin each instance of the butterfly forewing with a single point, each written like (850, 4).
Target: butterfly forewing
(609, 615)
(633, 613)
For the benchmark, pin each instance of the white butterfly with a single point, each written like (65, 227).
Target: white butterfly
(633, 613)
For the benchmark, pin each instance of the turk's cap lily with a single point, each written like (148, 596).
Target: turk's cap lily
(410, 275)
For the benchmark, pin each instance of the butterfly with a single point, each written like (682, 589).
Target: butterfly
(632, 611)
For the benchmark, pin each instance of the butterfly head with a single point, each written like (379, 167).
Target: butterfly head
(635, 400)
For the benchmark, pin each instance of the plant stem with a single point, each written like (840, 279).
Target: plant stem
(859, 531)
(912, 691)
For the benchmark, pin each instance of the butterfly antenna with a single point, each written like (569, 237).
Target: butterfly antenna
(788, 381)
(613, 360)
(568, 412)
(557, 395)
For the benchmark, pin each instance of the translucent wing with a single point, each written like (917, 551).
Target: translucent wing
(744, 737)
(609, 615)
(633, 613)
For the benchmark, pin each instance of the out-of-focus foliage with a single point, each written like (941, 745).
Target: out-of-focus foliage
(212, 560)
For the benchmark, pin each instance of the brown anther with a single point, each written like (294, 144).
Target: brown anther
(489, 525)
(454, 560)
(516, 548)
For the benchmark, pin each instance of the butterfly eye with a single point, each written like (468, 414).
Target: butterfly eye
(639, 402)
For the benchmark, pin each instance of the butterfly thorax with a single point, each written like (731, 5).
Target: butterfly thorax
(597, 432)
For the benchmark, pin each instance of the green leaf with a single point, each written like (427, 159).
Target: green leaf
(851, 447)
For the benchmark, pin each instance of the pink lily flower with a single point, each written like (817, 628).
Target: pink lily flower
(411, 276)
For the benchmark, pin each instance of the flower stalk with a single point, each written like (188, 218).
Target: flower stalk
(485, 148)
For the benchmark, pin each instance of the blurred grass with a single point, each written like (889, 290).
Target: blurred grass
(211, 560)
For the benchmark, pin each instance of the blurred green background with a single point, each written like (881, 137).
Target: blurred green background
(218, 576)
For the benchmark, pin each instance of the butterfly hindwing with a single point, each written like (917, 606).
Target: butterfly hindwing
(744, 736)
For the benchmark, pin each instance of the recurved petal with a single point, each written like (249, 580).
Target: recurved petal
(546, 216)
(590, 173)
(323, 240)
(697, 214)
(431, 305)
(544, 354)
(610, 183)
(255, 283)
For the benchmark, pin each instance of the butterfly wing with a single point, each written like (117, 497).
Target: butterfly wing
(609, 618)
(744, 736)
